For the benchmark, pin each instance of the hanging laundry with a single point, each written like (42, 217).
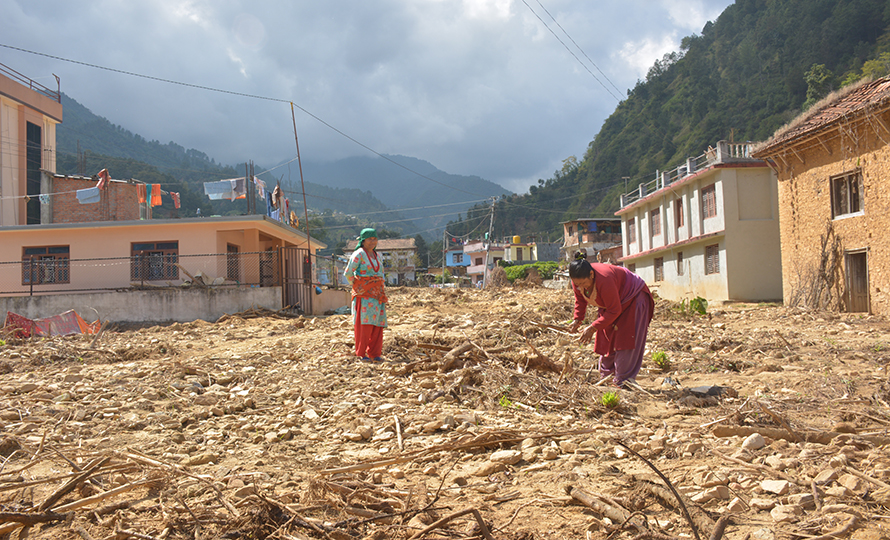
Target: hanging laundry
(268, 198)
(156, 195)
(44, 198)
(88, 195)
(274, 214)
(175, 196)
(104, 177)
(141, 193)
(221, 189)
(276, 196)
(240, 189)
(260, 187)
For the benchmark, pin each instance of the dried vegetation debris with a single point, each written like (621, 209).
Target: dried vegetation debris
(486, 421)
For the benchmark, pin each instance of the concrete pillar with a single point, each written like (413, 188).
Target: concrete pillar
(46, 186)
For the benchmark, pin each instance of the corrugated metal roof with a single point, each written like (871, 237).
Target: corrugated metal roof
(852, 103)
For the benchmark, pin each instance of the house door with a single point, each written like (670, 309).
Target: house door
(856, 269)
(296, 280)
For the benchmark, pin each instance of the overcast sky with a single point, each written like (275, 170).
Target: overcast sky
(475, 87)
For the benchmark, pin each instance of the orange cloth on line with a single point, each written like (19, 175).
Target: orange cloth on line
(140, 192)
(369, 287)
(156, 195)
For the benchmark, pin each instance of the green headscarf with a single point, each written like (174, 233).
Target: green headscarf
(366, 233)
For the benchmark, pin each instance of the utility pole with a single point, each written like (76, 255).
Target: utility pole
(488, 249)
(444, 249)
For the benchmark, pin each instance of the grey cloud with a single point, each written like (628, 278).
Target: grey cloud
(494, 96)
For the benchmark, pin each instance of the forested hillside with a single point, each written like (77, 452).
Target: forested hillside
(748, 73)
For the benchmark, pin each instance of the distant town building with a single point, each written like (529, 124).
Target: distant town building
(398, 256)
(590, 235)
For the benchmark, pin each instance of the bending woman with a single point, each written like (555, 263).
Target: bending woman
(365, 273)
(624, 309)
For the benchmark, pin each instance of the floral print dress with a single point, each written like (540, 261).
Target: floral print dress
(368, 310)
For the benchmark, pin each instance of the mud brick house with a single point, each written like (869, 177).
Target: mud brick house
(708, 228)
(833, 164)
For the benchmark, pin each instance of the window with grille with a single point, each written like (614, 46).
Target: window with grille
(709, 201)
(153, 261)
(712, 259)
(846, 194)
(478, 261)
(655, 215)
(679, 263)
(659, 269)
(233, 263)
(631, 231)
(45, 264)
(458, 258)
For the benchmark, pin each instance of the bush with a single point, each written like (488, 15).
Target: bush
(546, 270)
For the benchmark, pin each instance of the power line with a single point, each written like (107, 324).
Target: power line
(242, 94)
(606, 88)
(578, 46)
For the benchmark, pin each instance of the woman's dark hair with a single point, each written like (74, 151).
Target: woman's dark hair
(580, 268)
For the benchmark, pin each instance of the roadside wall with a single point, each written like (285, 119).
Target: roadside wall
(168, 305)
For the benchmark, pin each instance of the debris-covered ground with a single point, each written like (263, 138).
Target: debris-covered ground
(486, 421)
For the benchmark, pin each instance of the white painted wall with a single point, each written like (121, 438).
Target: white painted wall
(146, 306)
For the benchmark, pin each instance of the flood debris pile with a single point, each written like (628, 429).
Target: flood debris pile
(486, 421)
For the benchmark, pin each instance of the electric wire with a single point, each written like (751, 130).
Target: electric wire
(244, 94)
(578, 46)
(606, 88)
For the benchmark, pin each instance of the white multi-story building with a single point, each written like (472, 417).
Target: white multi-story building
(708, 228)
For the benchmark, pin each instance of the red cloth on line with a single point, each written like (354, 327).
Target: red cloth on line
(140, 193)
(103, 179)
(175, 199)
(156, 195)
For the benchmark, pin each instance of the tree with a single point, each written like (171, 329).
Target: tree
(820, 82)
(422, 250)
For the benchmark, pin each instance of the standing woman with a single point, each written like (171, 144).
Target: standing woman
(365, 273)
(624, 309)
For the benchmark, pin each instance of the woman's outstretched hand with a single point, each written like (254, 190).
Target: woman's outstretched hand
(587, 334)
(575, 326)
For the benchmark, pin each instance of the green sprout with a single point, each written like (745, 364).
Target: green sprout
(660, 359)
(610, 400)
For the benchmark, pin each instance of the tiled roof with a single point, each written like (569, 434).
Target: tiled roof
(872, 95)
(387, 244)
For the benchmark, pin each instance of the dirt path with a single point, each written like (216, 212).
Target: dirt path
(267, 428)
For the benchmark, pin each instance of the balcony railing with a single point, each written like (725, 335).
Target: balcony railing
(724, 153)
(55, 95)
